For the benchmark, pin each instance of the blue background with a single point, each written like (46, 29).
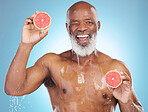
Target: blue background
(123, 35)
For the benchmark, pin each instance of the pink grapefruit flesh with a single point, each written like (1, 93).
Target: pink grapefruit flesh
(113, 79)
(42, 20)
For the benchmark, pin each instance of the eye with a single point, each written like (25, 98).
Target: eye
(74, 23)
(89, 22)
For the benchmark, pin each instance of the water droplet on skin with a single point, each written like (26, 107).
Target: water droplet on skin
(109, 101)
(78, 59)
(78, 89)
(81, 78)
(96, 53)
(97, 86)
(72, 52)
(62, 70)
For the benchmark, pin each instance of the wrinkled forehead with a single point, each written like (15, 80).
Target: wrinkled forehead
(82, 12)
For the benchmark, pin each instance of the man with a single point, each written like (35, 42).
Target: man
(75, 78)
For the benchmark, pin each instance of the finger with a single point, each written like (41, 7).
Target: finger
(44, 33)
(32, 16)
(28, 21)
(125, 78)
(124, 75)
(29, 27)
(126, 82)
(37, 12)
(126, 85)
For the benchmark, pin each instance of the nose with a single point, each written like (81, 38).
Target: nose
(82, 27)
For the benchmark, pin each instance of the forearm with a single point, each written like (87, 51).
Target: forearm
(16, 74)
(130, 106)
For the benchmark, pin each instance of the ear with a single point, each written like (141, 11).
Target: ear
(99, 25)
(66, 26)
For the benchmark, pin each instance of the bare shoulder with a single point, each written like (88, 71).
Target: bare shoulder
(113, 64)
(52, 58)
(48, 58)
(103, 58)
(120, 66)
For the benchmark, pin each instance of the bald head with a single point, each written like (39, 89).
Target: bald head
(83, 7)
(81, 4)
(82, 25)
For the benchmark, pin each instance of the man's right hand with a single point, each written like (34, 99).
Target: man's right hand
(30, 34)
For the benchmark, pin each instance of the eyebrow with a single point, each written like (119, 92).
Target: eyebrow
(88, 19)
(74, 21)
(77, 20)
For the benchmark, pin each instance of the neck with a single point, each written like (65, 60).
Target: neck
(84, 60)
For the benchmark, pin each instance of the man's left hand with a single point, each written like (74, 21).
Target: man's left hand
(123, 92)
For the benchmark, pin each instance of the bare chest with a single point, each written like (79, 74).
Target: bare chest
(82, 83)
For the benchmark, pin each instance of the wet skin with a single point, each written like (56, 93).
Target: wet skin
(80, 87)
(75, 83)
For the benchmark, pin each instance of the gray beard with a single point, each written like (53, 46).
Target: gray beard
(82, 50)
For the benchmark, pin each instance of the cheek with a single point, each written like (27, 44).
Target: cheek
(72, 29)
(93, 28)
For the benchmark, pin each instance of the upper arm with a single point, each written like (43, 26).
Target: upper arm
(35, 76)
(122, 68)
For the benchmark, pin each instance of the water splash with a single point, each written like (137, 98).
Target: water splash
(78, 89)
(81, 78)
(16, 103)
(72, 51)
(97, 86)
(78, 58)
(96, 53)
(62, 70)
(108, 102)
(138, 107)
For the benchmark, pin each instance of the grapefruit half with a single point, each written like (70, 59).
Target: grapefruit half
(42, 20)
(113, 79)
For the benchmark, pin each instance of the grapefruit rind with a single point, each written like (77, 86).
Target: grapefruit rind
(44, 27)
(120, 78)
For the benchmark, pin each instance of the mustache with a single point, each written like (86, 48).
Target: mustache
(83, 32)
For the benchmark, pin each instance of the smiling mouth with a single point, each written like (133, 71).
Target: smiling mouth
(83, 37)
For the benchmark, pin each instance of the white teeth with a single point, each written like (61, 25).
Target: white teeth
(82, 35)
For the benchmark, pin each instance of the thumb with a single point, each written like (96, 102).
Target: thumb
(44, 33)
